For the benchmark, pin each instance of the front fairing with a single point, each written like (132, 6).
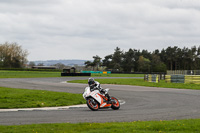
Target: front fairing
(94, 94)
(86, 93)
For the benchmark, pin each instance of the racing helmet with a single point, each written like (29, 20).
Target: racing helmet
(91, 81)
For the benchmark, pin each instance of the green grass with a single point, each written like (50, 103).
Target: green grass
(141, 82)
(117, 75)
(28, 74)
(23, 98)
(41, 74)
(175, 126)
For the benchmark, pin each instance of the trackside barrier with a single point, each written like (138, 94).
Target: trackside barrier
(105, 72)
(100, 72)
(152, 78)
(168, 78)
(75, 74)
(175, 78)
(183, 72)
(190, 79)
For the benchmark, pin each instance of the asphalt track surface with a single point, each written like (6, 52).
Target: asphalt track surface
(142, 103)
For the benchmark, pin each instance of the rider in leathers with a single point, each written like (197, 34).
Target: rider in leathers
(96, 85)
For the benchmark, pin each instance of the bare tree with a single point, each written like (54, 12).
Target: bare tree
(12, 55)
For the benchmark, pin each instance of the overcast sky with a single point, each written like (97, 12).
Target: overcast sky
(80, 29)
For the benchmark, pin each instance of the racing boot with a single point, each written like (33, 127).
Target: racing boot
(109, 99)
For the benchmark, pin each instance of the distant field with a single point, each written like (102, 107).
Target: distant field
(28, 74)
(40, 74)
(141, 82)
(117, 75)
(174, 126)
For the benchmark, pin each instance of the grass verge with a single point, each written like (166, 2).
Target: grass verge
(141, 82)
(28, 74)
(180, 126)
(23, 98)
(117, 75)
(41, 74)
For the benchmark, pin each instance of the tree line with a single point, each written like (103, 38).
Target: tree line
(12, 56)
(133, 60)
(172, 58)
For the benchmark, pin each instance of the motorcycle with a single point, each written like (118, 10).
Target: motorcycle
(96, 100)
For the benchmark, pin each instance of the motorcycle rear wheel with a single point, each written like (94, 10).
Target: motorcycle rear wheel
(92, 104)
(116, 105)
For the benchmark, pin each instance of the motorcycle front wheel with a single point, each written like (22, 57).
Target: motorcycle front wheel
(116, 104)
(92, 104)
